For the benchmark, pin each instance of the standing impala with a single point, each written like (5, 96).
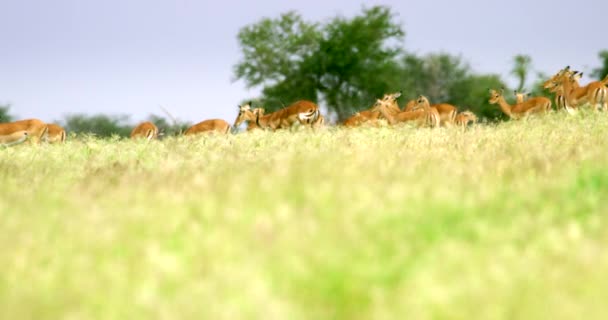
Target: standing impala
(595, 93)
(55, 134)
(535, 105)
(446, 113)
(36, 129)
(145, 130)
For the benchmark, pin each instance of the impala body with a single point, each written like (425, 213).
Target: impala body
(55, 134)
(370, 116)
(535, 105)
(464, 118)
(36, 129)
(418, 116)
(447, 112)
(209, 126)
(302, 112)
(13, 138)
(146, 130)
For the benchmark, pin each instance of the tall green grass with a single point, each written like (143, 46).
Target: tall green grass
(502, 221)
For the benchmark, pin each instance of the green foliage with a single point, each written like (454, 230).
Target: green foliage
(5, 115)
(444, 78)
(356, 59)
(347, 63)
(602, 71)
(99, 125)
(521, 68)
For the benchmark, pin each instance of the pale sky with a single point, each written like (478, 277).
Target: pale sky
(132, 56)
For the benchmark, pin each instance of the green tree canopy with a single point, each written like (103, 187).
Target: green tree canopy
(344, 62)
(5, 115)
(100, 125)
(521, 68)
(602, 71)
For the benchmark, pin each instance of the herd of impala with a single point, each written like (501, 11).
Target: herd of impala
(569, 96)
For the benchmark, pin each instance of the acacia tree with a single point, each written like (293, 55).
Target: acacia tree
(345, 63)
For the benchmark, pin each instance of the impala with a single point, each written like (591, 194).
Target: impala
(535, 105)
(371, 117)
(55, 134)
(564, 72)
(36, 129)
(13, 138)
(561, 93)
(249, 115)
(572, 95)
(463, 118)
(209, 126)
(520, 96)
(595, 93)
(446, 112)
(145, 130)
(302, 112)
(362, 117)
(420, 116)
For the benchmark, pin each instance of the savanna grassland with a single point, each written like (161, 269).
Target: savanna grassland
(501, 221)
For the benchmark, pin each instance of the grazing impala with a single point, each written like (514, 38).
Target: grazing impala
(36, 129)
(464, 118)
(209, 126)
(249, 115)
(535, 105)
(446, 112)
(145, 130)
(13, 138)
(55, 134)
(302, 112)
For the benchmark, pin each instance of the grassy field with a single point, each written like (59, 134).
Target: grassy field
(504, 221)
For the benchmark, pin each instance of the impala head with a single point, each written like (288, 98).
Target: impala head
(380, 104)
(392, 96)
(245, 114)
(576, 76)
(554, 86)
(565, 72)
(469, 116)
(421, 103)
(495, 95)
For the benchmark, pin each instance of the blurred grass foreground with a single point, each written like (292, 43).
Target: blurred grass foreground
(504, 221)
